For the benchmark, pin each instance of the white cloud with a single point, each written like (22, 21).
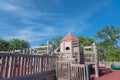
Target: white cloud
(23, 12)
(29, 33)
(33, 30)
(8, 7)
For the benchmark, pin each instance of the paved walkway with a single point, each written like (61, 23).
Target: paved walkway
(115, 75)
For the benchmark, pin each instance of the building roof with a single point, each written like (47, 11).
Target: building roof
(69, 36)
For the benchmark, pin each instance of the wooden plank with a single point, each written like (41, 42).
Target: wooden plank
(19, 64)
(7, 67)
(36, 64)
(2, 67)
(31, 64)
(39, 62)
(42, 64)
(18, 71)
(22, 69)
(28, 66)
(15, 66)
(11, 69)
(36, 76)
(25, 66)
(10, 60)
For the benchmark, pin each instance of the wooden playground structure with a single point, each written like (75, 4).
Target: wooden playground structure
(74, 65)
(27, 67)
(45, 49)
(69, 64)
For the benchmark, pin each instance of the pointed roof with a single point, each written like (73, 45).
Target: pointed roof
(69, 36)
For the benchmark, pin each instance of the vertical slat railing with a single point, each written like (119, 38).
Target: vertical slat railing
(12, 65)
(77, 72)
(69, 71)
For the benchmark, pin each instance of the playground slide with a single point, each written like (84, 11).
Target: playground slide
(116, 67)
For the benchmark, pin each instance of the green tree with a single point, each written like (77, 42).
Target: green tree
(24, 44)
(101, 50)
(18, 44)
(112, 54)
(56, 41)
(85, 41)
(4, 45)
(42, 48)
(107, 47)
(109, 35)
(43, 44)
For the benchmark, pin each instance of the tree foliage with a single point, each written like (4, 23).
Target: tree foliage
(18, 44)
(56, 41)
(109, 35)
(13, 44)
(4, 45)
(85, 41)
(107, 47)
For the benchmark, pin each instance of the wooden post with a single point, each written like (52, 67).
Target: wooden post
(87, 72)
(48, 47)
(56, 70)
(69, 71)
(9, 67)
(84, 72)
(96, 61)
(42, 64)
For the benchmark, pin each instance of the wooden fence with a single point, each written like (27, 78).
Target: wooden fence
(68, 71)
(48, 75)
(12, 65)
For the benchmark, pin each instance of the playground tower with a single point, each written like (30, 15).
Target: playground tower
(69, 48)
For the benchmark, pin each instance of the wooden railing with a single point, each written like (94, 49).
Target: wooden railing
(89, 58)
(12, 65)
(69, 71)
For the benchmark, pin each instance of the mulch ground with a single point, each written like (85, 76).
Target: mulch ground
(114, 75)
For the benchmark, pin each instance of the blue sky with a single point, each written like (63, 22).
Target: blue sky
(40, 20)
